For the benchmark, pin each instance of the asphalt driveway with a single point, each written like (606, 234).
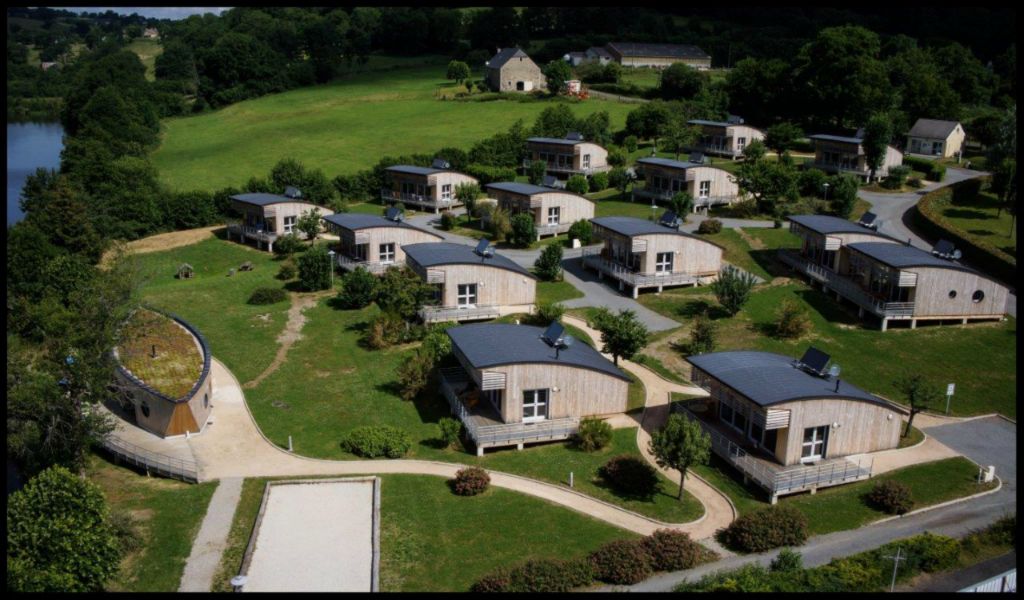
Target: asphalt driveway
(988, 441)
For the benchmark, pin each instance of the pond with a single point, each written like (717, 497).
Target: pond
(29, 146)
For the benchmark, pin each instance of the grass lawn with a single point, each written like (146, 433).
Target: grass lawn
(435, 541)
(241, 335)
(658, 367)
(340, 127)
(556, 291)
(611, 203)
(178, 362)
(167, 514)
(981, 219)
(147, 50)
(980, 358)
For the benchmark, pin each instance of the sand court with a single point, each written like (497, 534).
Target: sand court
(315, 535)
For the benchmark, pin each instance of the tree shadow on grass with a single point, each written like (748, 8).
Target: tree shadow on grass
(693, 308)
(966, 213)
(659, 492)
(828, 308)
(767, 259)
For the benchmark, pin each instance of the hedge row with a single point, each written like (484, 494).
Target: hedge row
(927, 216)
(933, 170)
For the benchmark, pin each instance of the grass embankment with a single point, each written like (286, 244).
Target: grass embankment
(147, 50)
(340, 127)
(166, 514)
(178, 362)
(979, 217)
(435, 541)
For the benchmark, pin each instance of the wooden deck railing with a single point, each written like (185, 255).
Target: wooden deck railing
(846, 287)
(434, 314)
(592, 258)
(429, 201)
(351, 264)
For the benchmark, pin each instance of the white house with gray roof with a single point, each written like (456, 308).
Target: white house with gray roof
(553, 210)
(789, 425)
(432, 188)
(724, 138)
(518, 384)
(932, 137)
(641, 254)
(470, 284)
(664, 178)
(266, 217)
(511, 70)
(888, 278)
(374, 242)
(564, 157)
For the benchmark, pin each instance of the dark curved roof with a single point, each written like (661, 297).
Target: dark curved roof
(826, 224)
(551, 140)
(632, 226)
(492, 344)
(668, 162)
(528, 189)
(826, 137)
(767, 378)
(262, 199)
(434, 254)
(414, 170)
(357, 221)
(902, 256)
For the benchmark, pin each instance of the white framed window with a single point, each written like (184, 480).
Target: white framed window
(466, 297)
(289, 224)
(446, 191)
(554, 213)
(705, 189)
(387, 253)
(741, 143)
(586, 161)
(535, 405)
(814, 442)
(663, 263)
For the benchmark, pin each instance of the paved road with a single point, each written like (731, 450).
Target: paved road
(988, 441)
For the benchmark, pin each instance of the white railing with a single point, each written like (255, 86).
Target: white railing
(252, 232)
(351, 264)
(827, 166)
(716, 149)
(393, 196)
(1003, 583)
(434, 314)
(701, 202)
(161, 464)
(455, 380)
(846, 287)
(557, 168)
(553, 229)
(594, 260)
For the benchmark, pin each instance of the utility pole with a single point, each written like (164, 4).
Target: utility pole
(895, 565)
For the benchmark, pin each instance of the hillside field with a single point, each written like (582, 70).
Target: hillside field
(340, 127)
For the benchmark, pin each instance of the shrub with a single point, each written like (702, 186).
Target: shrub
(451, 430)
(358, 288)
(791, 320)
(538, 576)
(495, 582)
(709, 226)
(524, 230)
(932, 552)
(500, 224)
(385, 330)
(315, 267)
(630, 475)
(470, 481)
(787, 560)
(616, 158)
(126, 531)
(891, 497)
(933, 170)
(266, 295)
(447, 220)
(414, 374)
(598, 182)
(622, 562)
(287, 271)
(672, 550)
(546, 312)
(577, 184)
(811, 182)
(732, 288)
(630, 143)
(548, 265)
(744, 209)
(288, 244)
(915, 182)
(702, 334)
(897, 175)
(371, 441)
(766, 529)
(581, 230)
(593, 434)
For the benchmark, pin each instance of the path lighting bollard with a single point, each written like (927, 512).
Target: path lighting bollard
(237, 582)
(290, 443)
(570, 479)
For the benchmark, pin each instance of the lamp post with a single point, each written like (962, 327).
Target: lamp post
(825, 185)
(330, 254)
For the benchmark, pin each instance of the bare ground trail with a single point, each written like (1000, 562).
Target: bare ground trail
(291, 334)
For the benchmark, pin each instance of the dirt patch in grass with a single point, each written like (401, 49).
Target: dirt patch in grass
(177, 362)
(754, 243)
(291, 334)
(163, 241)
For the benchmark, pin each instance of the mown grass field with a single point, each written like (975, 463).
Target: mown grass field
(166, 514)
(147, 50)
(341, 127)
(435, 541)
(981, 219)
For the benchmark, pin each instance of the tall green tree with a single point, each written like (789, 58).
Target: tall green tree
(622, 334)
(780, 137)
(400, 291)
(548, 265)
(677, 137)
(458, 71)
(878, 134)
(732, 288)
(556, 73)
(648, 120)
(315, 267)
(682, 204)
(679, 81)
(524, 230)
(467, 194)
(679, 445)
(309, 223)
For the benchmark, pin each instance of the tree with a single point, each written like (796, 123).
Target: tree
(467, 194)
(499, 223)
(524, 230)
(679, 81)
(780, 137)
(919, 394)
(677, 136)
(681, 204)
(767, 182)
(577, 184)
(877, 135)
(1004, 183)
(309, 223)
(59, 537)
(843, 195)
(556, 73)
(680, 444)
(649, 120)
(554, 121)
(702, 334)
(548, 265)
(458, 71)
(754, 151)
(619, 178)
(358, 288)
(401, 292)
(622, 334)
(536, 171)
(315, 268)
(732, 288)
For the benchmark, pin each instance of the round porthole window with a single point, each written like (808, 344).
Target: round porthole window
(145, 408)
(952, 294)
(206, 401)
(978, 296)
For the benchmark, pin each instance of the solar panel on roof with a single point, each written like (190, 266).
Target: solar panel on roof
(943, 248)
(868, 219)
(696, 157)
(394, 214)
(553, 333)
(669, 219)
(292, 192)
(734, 119)
(815, 360)
(550, 181)
(481, 247)
(574, 135)
(440, 163)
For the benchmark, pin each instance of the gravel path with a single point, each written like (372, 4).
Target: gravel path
(207, 548)
(291, 334)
